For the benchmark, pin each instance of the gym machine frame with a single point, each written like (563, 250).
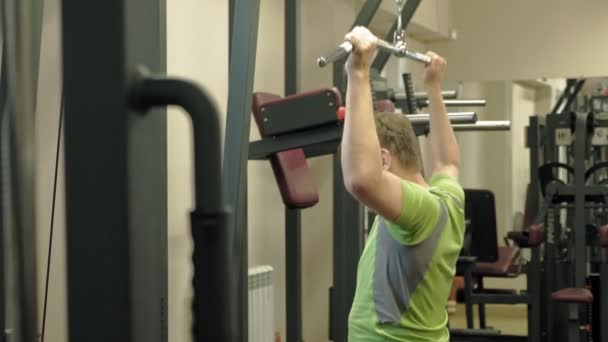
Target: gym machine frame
(116, 190)
(22, 26)
(543, 140)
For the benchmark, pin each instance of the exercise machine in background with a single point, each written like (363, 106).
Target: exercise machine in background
(565, 227)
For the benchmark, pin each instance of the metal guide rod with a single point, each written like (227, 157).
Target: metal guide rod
(458, 103)
(447, 94)
(455, 118)
(421, 95)
(346, 48)
(483, 126)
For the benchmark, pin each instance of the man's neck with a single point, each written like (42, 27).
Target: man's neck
(414, 177)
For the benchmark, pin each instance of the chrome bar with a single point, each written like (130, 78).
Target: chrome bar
(459, 103)
(455, 118)
(484, 126)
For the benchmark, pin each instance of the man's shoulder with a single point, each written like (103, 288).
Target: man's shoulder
(448, 186)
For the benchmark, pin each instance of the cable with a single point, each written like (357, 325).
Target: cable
(48, 260)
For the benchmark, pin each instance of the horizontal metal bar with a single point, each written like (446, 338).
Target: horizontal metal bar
(417, 56)
(484, 126)
(324, 139)
(455, 118)
(478, 298)
(344, 49)
(447, 94)
(457, 103)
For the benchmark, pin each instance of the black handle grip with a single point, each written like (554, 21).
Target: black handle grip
(340, 52)
(214, 288)
(213, 300)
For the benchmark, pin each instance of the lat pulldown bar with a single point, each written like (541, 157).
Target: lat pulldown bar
(398, 50)
(484, 126)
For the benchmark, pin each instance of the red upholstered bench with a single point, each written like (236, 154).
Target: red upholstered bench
(295, 180)
(534, 236)
(573, 295)
(501, 268)
(604, 236)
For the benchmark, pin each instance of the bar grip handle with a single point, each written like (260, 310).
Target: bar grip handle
(340, 52)
(418, 57)
(346, 48)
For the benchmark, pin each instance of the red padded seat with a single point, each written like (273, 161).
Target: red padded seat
(604, 236)
(572, 295)
(503, 267)
(295, 180)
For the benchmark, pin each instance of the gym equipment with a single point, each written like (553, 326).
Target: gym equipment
(501, 125)
(296, 183)
(567, 153)
(398, 50)
(325, 139)
(415, 101)
(116, 193)
(481, 257)
(211, 305)
(314, 108)
(22, 26)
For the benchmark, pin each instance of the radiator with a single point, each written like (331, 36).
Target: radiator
(261, 304)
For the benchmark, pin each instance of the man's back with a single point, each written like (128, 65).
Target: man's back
(406, 270)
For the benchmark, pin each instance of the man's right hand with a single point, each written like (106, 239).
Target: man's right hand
(433, 72)
(364, 44)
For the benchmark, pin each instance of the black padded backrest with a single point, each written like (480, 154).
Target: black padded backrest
(480, 215)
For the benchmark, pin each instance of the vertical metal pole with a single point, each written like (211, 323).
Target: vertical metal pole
(115, 164)
(236, 145)
(348, 237)
(292, 51)
(96, 172)
(230, 26)
(3, 188)
(293, 235)
(293, 281)
(579, 229)
(603, 296)
(22, 32)
(579, 202)
(534, 277)
(145, 33)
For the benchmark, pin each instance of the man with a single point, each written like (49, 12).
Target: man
(406, 270)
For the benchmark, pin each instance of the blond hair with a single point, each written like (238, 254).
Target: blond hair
(396, 134)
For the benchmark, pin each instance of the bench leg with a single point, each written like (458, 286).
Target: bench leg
(482, 307)
(468, 291)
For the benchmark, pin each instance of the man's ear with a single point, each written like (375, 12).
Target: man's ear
(386, 158)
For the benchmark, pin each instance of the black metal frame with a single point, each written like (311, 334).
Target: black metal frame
(243, 48)
(293, 222)
(534, 269)
(115, 168)
(21, 33)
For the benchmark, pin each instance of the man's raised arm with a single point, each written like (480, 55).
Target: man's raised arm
(444, 147)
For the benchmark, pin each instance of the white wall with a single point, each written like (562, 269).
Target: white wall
(520, 39)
